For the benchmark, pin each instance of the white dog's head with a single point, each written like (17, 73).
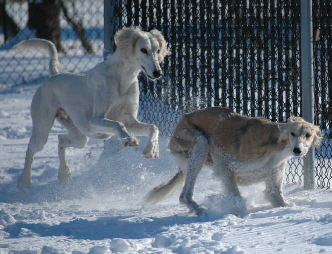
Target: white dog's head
(147, 49)
(301, 135)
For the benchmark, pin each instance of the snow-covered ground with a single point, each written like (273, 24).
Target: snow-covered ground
(100, 210)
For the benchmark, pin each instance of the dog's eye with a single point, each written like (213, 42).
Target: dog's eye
(158, 51)
(292, 133)
(143, 50)
(308, 135)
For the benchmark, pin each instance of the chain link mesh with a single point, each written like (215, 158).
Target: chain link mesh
(322, 26)
(34, 65)
(242, 54)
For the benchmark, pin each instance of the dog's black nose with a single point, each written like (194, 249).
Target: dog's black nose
(297, 151)
(157, 74)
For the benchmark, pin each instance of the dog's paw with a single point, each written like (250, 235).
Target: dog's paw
(277, 200)
(201, 213)
(289, 204)
(24, 183)
(151, 151)
(238, 205)
(130, 141)
(64, 174)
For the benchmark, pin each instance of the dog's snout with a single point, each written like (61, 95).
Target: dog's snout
(157, 73)
(297, 151)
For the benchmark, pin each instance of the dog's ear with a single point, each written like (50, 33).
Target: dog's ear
(317, 136)
(283, 132)
(295, 119)
(162, 44)
(125, 40)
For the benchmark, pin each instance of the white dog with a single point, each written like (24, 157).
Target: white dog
(242, 151)
(101, 103)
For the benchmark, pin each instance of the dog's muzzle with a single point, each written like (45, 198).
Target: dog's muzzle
(157, 73)
(297, 151)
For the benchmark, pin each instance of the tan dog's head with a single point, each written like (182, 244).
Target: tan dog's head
(146, 49)
(300, 135)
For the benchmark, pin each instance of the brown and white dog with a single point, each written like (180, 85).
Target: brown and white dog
(241, 150)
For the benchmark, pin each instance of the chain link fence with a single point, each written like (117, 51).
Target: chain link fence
(242, 54)
(322, 20)
(32, 66)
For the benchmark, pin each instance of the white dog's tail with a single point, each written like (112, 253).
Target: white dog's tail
(163, 190)
(45, 45)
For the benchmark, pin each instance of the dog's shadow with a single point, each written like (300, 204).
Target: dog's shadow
(50, 192)
(102, 228)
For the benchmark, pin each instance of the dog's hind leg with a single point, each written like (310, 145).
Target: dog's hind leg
(195, 163)
(42, 120)
(36, 144)
(74, 138)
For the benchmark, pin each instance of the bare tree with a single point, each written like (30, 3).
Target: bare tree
(76, 25)
(44, 19)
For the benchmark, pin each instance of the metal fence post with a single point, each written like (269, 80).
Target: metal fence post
(109, 23)
(307, 81)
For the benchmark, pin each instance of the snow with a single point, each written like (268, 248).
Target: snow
(100, 211)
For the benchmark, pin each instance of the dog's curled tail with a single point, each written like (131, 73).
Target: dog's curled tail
(163, 190)
(45, 45)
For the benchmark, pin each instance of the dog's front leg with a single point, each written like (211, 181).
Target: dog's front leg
(100, 124)
(231, 189)
(273, 192)
(151, 151)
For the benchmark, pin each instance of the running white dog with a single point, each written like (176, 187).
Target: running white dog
(98, 104)
(242, 150)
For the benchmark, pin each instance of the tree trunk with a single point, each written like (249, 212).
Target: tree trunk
(9, 27)
(44, 17)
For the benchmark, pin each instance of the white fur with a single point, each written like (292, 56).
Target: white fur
(101, 103)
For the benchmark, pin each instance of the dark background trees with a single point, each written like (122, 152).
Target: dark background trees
(44, 19)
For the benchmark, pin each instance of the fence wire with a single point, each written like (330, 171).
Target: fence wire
(34, 65)
(322, 20)
(242, 54)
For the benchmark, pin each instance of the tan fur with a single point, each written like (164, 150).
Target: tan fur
(243, 150)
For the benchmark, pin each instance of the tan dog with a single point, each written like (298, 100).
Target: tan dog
(242, 151)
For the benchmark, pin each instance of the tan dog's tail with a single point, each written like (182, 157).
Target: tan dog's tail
(45, 45)
(163, 190)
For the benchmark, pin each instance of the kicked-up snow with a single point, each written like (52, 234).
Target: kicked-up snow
(100, 210)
